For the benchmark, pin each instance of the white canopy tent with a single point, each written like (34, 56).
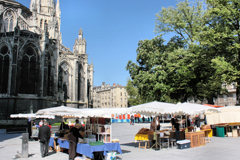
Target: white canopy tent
(229, 114)
(192, 108)
(154, 108)
(103, 112)
(64, 111)
(32, 116)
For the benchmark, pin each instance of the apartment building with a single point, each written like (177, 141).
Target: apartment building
(107, 96)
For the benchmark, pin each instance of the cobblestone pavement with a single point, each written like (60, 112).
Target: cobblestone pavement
(218, 149)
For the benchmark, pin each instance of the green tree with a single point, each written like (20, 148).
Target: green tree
(189, 22)
(221, 35)
(134, 97)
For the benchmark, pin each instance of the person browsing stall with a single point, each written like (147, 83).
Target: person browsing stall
(44, 136)
(73, 139)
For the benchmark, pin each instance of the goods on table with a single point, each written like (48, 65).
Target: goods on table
(144, 134)
(98, 143)
(115, 141)
(205, 127)
(145, 131)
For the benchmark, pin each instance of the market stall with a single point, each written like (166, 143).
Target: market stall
(97, 124)
(225, 121)
(159, 108)
(32, 128)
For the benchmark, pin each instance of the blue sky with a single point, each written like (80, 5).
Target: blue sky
(112, 29)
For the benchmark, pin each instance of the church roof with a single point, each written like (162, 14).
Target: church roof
(16, 4)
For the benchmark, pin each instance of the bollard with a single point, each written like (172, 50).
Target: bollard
(25, 145)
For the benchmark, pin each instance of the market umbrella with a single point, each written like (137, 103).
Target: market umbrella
(31, 115)
(192, 108)
(61, 111)
(154, 108)
(103, 112)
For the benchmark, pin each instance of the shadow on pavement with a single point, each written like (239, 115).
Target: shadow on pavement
(51, 153)
(125, 151)
(4, 137)
(131, 144)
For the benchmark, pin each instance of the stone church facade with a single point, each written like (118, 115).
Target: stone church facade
(36, 70)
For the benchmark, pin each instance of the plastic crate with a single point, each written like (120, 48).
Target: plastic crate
(183, 144)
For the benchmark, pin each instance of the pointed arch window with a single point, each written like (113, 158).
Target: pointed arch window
(8, 21)
(29, 72)
(50, 82)
(4, 69)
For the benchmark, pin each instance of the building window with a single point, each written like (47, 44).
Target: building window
(8, 21)
(29, 72)
(4, 69)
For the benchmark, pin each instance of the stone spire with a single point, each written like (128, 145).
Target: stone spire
(80, 44)
(33, 5)
(80, 34)
(58, 10)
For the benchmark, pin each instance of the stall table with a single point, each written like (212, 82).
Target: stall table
(63, 143)
(87, 150)
(196, 138)
(145, 138)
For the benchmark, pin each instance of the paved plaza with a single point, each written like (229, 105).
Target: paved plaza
(217, 149)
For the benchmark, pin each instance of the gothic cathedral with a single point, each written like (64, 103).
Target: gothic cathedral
(36, 70)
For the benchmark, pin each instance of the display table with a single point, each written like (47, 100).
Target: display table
(87, 150)
(143, 138)
(164, 140)
(63, 143)
(196, 138)
(52, 143)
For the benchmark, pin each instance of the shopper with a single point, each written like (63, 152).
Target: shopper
(44, 136)
(173, 121)
(155, 124)
(132, 120)
(73, 140)
(63, 126)
(177, 129)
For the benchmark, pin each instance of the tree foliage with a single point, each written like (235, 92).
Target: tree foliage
(204, 54)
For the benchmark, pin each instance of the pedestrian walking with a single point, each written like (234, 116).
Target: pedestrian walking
(44, 136)
(132, 120)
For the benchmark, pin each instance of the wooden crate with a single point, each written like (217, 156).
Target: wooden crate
(196, 138)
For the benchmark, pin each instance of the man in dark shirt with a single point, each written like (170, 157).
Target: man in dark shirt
(44, 136)
(177, 129)
(173, 121)
(197, 121)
